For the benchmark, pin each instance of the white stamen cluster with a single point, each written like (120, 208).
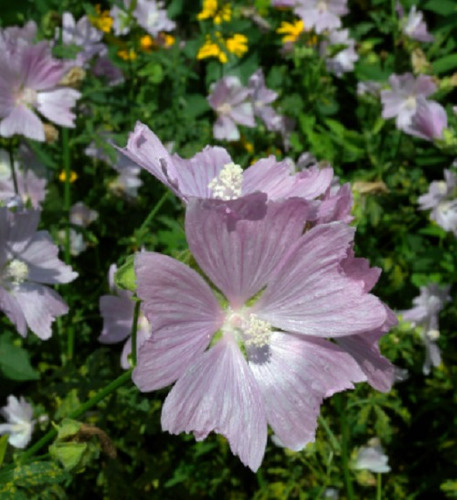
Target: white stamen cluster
(26, 96)
(411, 102)
(224, 109)
(433, 335)
(257, 332)
(16, 272)
(227, 185)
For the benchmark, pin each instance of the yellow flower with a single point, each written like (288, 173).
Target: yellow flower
(63, 176)
(237, 44)
(147, 43)
(291, 31)
(103, 21)
(210, 10)
(127, 55)
(169, 40)
(212, 49)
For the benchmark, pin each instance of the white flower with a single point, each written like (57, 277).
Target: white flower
(18, 413)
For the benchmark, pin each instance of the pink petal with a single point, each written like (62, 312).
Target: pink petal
(219, 394)
(21, 229)
(309, 294)
(39, 69)
(184, 315)
(239, 257)
(44, 265)
(22, 121)
(55, 105)
(224, 128)
(295, 378)
(117, 314)
(10, 306)
(40, 306)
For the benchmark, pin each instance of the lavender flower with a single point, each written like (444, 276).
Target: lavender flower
(121, 20)
(153, 17)
(402, 100)
(261, 96)
(343, 61)
(85, 36)
(442, 199)
(424, 314)
(372, 458)
(82, 215)
(250, 363)
(213, 174)
(117, 312)
(368, 87)
(18, 413)
(429, 121)
(32, 189)
(231, 102)
(29, 79)
(28, 261)
(414, 26)
(321, 14)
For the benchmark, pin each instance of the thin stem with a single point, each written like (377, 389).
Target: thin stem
(332, 438)
(344, 450)
(115, 384)
(151, 216)
(136, 313)
(13, 168)
(379, 487)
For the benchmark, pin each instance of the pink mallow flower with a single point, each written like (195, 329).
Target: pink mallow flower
(255, 353)
(261, 97)
(29, 81)
(152, 16)
(424, 314)
(231, 101)
(28, 262)
(401, 101)
(343, 61)
(117, 310)
(441, 198)
(213, 174)
(414, 25)
(429, 121)
(19, 416)
(321, 14)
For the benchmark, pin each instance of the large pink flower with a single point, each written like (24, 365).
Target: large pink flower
(213, 174)
(28, 262)
(29, 80)
(253, 349)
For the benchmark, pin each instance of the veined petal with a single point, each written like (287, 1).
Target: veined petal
(40, 306)
(240, 256)
(311, 295)
(219, 394)
(55, 105)
(10, 306)
(23, 121)
(117, 314)
(294, 379)
(21, 228)
(183, 313)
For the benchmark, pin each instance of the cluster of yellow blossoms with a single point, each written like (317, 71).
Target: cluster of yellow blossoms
(216, 45)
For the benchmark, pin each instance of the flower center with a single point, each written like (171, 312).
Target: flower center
(16, 272)
(152, 19)
(227, 185)
(224, 109)
(433, 335)
(441, 187)
(26, 96)
(322, 6)
(247, 328)
(410, 102)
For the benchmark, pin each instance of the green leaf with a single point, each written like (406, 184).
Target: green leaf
(196, 105)
(3, 446)
(445, 63)
(14, 360)
(443, 7)
(70, 454)
(125, 276)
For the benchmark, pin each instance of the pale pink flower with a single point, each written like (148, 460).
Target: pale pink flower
(152, 16)
(262, 358)
(372, 458)
(261, 97)
(213, 174)
(429, 121)
(29, 80)
(82, 215)
(231, 101)
(28, 262)
(321, 14)
(344, 60)
(424, 314)
(19, 416)
(414, 25)
(401, 100)
(117, 310)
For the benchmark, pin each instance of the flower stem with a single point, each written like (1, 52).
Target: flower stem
(332, 438)
(344, 449)
(150, 217)
(136, 313)
(66, 207)
(111, 387)
(13, 168)
(379, 487)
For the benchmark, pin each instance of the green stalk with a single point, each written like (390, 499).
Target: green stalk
(378, 487)
(13, 168)
(344, 450)
(136, 313)
(332, 438)
(151, 216)
(114, 385)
